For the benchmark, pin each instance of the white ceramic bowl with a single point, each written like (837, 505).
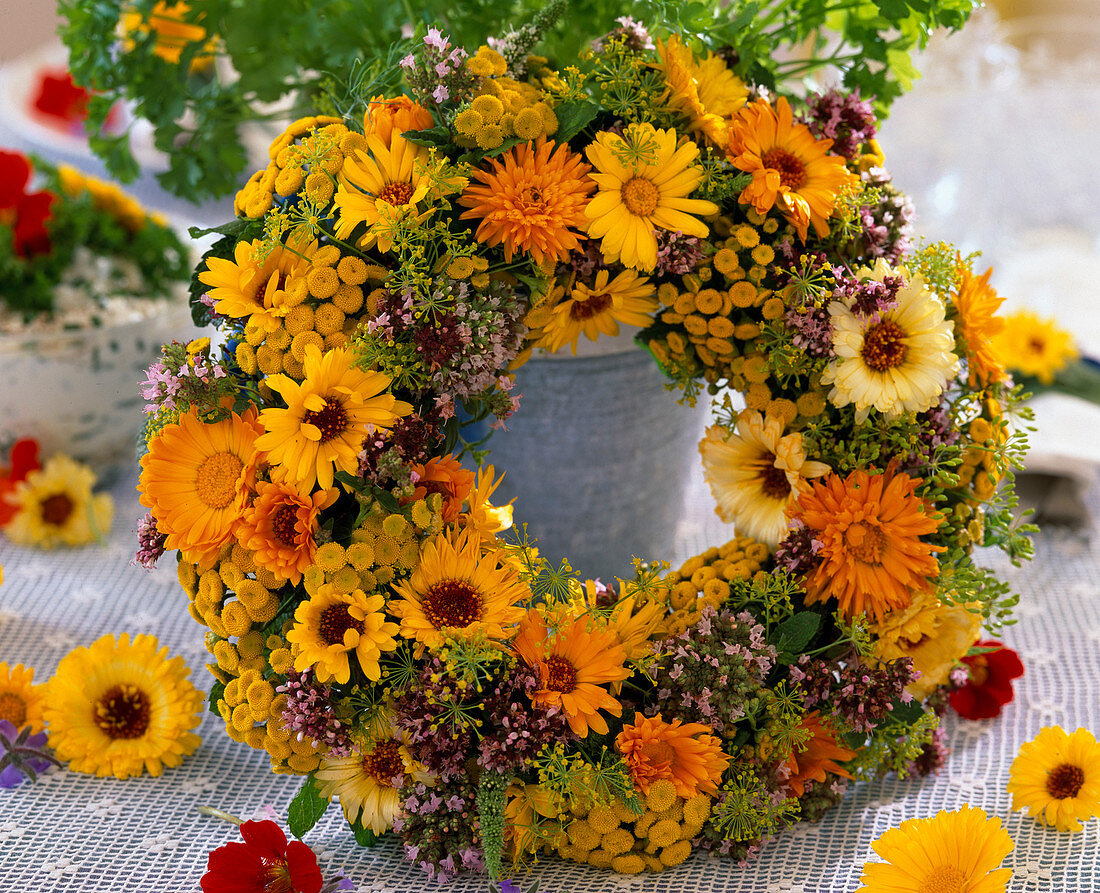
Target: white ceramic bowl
(76, 391)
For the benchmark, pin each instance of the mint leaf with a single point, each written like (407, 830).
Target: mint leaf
(306, 809)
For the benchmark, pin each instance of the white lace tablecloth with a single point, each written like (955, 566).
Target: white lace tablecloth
(73, 832)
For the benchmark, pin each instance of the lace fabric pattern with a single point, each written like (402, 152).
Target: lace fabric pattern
(72, 832)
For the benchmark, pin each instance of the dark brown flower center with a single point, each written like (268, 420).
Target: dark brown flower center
(884, 346)
(13, 708)
(865, 542)
(384, 763)
(1065, 781)
(593, 306)
(332, 421)
(561, 675)
(56, 509)
(283, 524)
(773, 481)
(335, 621)
(640, 196)
(451, 603)
(123, 712)
(792, 172)
(396, 193)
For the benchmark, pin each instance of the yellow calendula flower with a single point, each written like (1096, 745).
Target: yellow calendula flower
(755, 472)
(978, 325)
(56, 506)
(254, 289)
(327, 418)
(122, 707)
(702, 91)
(457, 591)
(1056, 778)
(331, 624)
(954, 852)
(368, 783)
(486, 519)
(644, 179)
(1034, 346)
(599, 308)
(20, 700)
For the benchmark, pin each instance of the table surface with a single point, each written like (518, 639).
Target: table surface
(74, 832)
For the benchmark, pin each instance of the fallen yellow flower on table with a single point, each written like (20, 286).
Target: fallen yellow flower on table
(1056, 778)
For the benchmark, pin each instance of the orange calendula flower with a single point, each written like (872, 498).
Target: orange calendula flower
(279, 526)
(574, 662)
(196, 479)
(790, 169)
(977, 324)
(530, 201)
(820, 758)
(873, 558)
(443, 475)
(385, 117)
(704, 92)
(327, 418)
(687, 754)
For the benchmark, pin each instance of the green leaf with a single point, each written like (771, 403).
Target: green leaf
(907, 713)
(306, 809)
(433, 137)
(217, 691)
(363, 836)
(794, 634)
(573, 117)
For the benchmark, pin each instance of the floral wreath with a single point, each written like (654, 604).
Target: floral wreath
(379, 626)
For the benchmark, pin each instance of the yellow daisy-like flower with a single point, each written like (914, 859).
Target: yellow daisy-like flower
(870, 525)
(574, 662)
(278, 528)
(954, 852)
(531, 200)
(755, 473)
(167, 21)
(526, 811)
(936, 636)
(56, 507)
(1056, 778)
(196, 479)
(896, 361)
(457, 591)
(244, 287)
(20, 700)
(327, 418)
(599, 308)
(380, 189)
(331, 624)
(704, 92)
(1033, 346)
(644, 181)
(368, 783)
(791, 169)
(121, 707)
(977, 325)
(486, 519)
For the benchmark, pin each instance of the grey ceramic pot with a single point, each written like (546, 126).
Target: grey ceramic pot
(598, 457)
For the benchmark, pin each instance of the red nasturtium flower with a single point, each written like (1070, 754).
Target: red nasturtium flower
(264, 863)
(989, 686)
(59, 98)
(24, 460)
(25, 213)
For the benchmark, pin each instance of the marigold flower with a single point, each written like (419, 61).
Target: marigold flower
(1056, 777)
(685, 753)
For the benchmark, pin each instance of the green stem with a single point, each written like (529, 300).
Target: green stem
(218, 814)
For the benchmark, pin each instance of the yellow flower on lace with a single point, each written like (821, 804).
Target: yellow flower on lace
(954, 852)
(644, 181)
(122, 707)
(1056, 778)
(56, 506)
(20, 700)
